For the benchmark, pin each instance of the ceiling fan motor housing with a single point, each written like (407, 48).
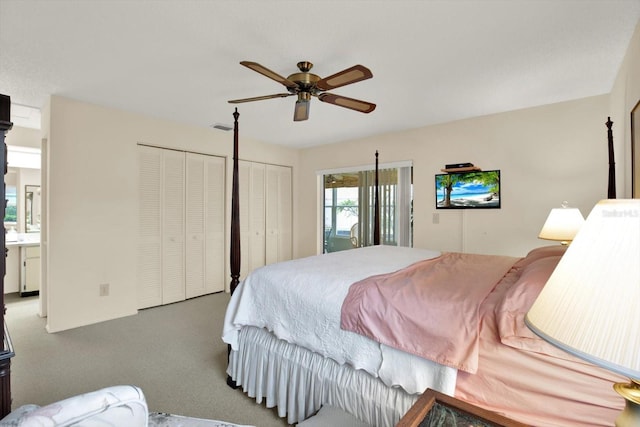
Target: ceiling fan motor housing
(305, 80)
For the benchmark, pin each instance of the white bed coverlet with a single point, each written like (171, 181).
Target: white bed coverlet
(300, 301)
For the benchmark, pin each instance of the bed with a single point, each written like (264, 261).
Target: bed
(358, 330)
(286, 327)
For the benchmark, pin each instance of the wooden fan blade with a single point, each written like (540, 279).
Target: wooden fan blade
(260, 98)
(343, 101)
(267, 72)
(345, 77)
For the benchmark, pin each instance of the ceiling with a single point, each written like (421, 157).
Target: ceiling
(433, 61)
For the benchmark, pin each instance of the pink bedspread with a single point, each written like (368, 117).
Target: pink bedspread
(430, 309)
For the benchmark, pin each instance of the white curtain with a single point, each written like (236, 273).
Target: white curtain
(395, 206)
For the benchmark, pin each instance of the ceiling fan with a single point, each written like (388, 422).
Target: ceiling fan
(305, 85)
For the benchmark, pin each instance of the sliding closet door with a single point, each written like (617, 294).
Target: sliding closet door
(150, 227)
(278, 214)
(173, 226)
(161, 226)
(204, 246)
(216, 229)
(265, 215)
(195, 224)
(252, 215)
(181, 225)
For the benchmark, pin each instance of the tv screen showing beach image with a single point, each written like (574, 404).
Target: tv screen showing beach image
(469, 190)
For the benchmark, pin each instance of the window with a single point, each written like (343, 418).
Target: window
(11, 197)
(349, 208)
(11, 210)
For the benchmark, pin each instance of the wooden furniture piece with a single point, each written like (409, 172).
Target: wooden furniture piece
(6, 352)
(635, 151)
(611, 190)
(235, 211)
(433, 405)
(376, 208)
(461, 170)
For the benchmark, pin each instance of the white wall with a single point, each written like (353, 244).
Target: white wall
(624, 96)
(546, 155)
(92, 174)
(23, 137)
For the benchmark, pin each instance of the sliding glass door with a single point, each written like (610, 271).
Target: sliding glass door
(349, 208)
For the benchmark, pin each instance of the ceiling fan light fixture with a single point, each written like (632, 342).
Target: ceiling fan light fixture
(301, 111)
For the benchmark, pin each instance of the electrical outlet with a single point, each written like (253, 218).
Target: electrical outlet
(436, 218)
(104, 289)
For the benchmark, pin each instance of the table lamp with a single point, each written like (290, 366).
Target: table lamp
(562, 224)
(588, 305)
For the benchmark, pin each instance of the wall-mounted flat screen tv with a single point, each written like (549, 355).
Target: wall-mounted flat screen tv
(469, 190)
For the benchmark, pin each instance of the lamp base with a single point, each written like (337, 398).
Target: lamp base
(630, 416)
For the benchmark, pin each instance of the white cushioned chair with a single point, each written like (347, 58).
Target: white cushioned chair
(121, 405)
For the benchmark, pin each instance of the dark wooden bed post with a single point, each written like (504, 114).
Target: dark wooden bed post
(235, 228)
(235, 211)
(376, 209)
(611, 193)
(6, 352)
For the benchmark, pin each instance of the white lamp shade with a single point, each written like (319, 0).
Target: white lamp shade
(589, 305)
(562, 224)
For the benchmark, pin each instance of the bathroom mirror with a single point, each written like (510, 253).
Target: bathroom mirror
(32, 208)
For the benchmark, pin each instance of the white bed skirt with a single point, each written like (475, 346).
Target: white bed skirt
(299, 382)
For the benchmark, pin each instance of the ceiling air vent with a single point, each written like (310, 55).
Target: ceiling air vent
(221, 126)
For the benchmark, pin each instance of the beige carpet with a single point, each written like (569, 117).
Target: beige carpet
(333, 417)
(174, 353)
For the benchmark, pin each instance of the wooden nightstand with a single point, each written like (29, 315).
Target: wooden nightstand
(451, 412)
